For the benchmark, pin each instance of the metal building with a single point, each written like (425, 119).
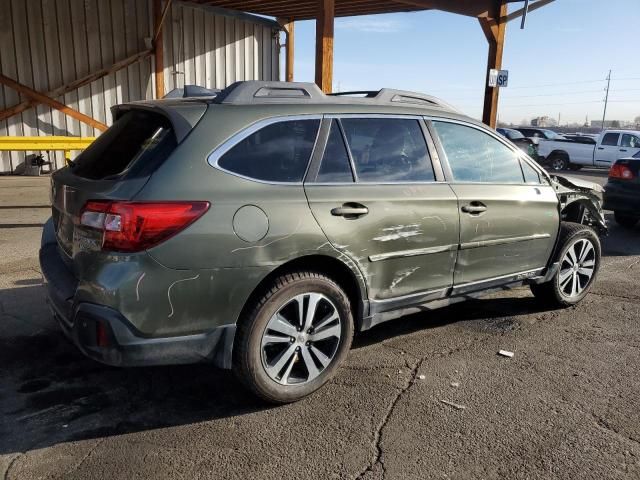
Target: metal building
(91, 54)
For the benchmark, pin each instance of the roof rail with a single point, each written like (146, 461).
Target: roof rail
(254, 91)
(257, 92)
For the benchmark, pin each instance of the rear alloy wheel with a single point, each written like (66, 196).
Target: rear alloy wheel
(626, 221)
(301, 339)
(559, 162)
(294, 337)
(578, 263)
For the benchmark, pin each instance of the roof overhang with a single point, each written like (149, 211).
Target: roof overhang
(308, 9)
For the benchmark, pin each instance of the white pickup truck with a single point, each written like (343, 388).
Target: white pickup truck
(579, 152)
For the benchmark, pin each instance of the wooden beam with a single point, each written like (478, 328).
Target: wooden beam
(324, 44)
(288, 26)
(42, 98)
(158, 48)
(534, 6)
(494, 60)
(471, 8)
(92, 77)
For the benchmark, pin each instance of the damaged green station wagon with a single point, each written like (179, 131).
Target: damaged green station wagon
(259, 227)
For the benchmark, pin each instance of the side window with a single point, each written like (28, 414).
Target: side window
(279, 152)
(610, 139)
(630, 141)
(530, 174)
(475, 156)
(388, 150)
(335, 166)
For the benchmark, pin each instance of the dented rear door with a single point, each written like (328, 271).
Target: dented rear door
(403, 233)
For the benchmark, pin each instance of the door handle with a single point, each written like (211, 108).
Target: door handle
(350, 211)
(623, 149)
(474, 208)
(600, 148)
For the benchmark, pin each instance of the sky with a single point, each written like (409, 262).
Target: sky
(557, 65)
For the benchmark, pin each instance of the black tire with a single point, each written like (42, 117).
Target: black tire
(248, 351)
(626, 221)
(558, 162)
(551, 292)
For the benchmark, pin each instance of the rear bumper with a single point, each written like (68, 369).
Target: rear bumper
(103, 334)
(622, 198)
(106, 335)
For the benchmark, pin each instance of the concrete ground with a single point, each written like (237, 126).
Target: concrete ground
(565, 406)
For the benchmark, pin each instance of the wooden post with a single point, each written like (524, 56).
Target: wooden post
(290, 49)
(158, 50)
(494, 27)
(324, 44)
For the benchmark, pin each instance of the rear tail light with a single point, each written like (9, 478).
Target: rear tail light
(137, 226)
(621, 171)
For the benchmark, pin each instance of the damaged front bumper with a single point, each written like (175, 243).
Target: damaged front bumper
(580, 202)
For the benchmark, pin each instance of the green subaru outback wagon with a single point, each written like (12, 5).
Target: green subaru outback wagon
(259, 227)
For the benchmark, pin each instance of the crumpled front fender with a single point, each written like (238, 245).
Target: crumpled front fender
(580, 201)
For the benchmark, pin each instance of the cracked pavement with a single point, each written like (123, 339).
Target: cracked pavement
(565, 406)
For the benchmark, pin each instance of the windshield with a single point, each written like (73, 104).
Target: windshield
(514, 134)
(551, 135)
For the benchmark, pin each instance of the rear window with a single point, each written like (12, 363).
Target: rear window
(137, 142)
(279, 152)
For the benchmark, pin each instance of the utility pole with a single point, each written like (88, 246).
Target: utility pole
(606, 99)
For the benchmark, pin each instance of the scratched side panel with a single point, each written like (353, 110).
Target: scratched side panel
(160, 301)
(406, 243)
(513, 211)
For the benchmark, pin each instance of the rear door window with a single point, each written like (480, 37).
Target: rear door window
(278, 152)
(137, 141)
(335, 166)
(388, 150)
(476, 156)
(610, 139)
(630, 141)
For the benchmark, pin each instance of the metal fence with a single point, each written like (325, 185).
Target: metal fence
(46, 44)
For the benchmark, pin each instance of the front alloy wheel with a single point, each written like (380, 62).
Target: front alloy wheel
(558, 163)
(301, 339)
(577, 268)
(578, 260)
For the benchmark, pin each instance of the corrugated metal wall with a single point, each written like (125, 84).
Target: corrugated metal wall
(45, 44)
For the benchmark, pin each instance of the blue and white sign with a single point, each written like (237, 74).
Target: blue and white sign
(498, 78)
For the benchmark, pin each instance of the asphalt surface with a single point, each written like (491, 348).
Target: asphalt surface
(565, 406)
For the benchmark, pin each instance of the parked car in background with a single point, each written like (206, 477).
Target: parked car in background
(610, 145)
(523, 143)
(538, 134)
(257, 229)
(622, 191)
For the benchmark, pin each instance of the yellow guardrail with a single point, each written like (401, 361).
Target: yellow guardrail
(66, 144)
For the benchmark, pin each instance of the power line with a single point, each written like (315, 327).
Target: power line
(559, 83)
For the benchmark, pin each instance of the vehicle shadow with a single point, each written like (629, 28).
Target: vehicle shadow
(50, 393)
(621, 241)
